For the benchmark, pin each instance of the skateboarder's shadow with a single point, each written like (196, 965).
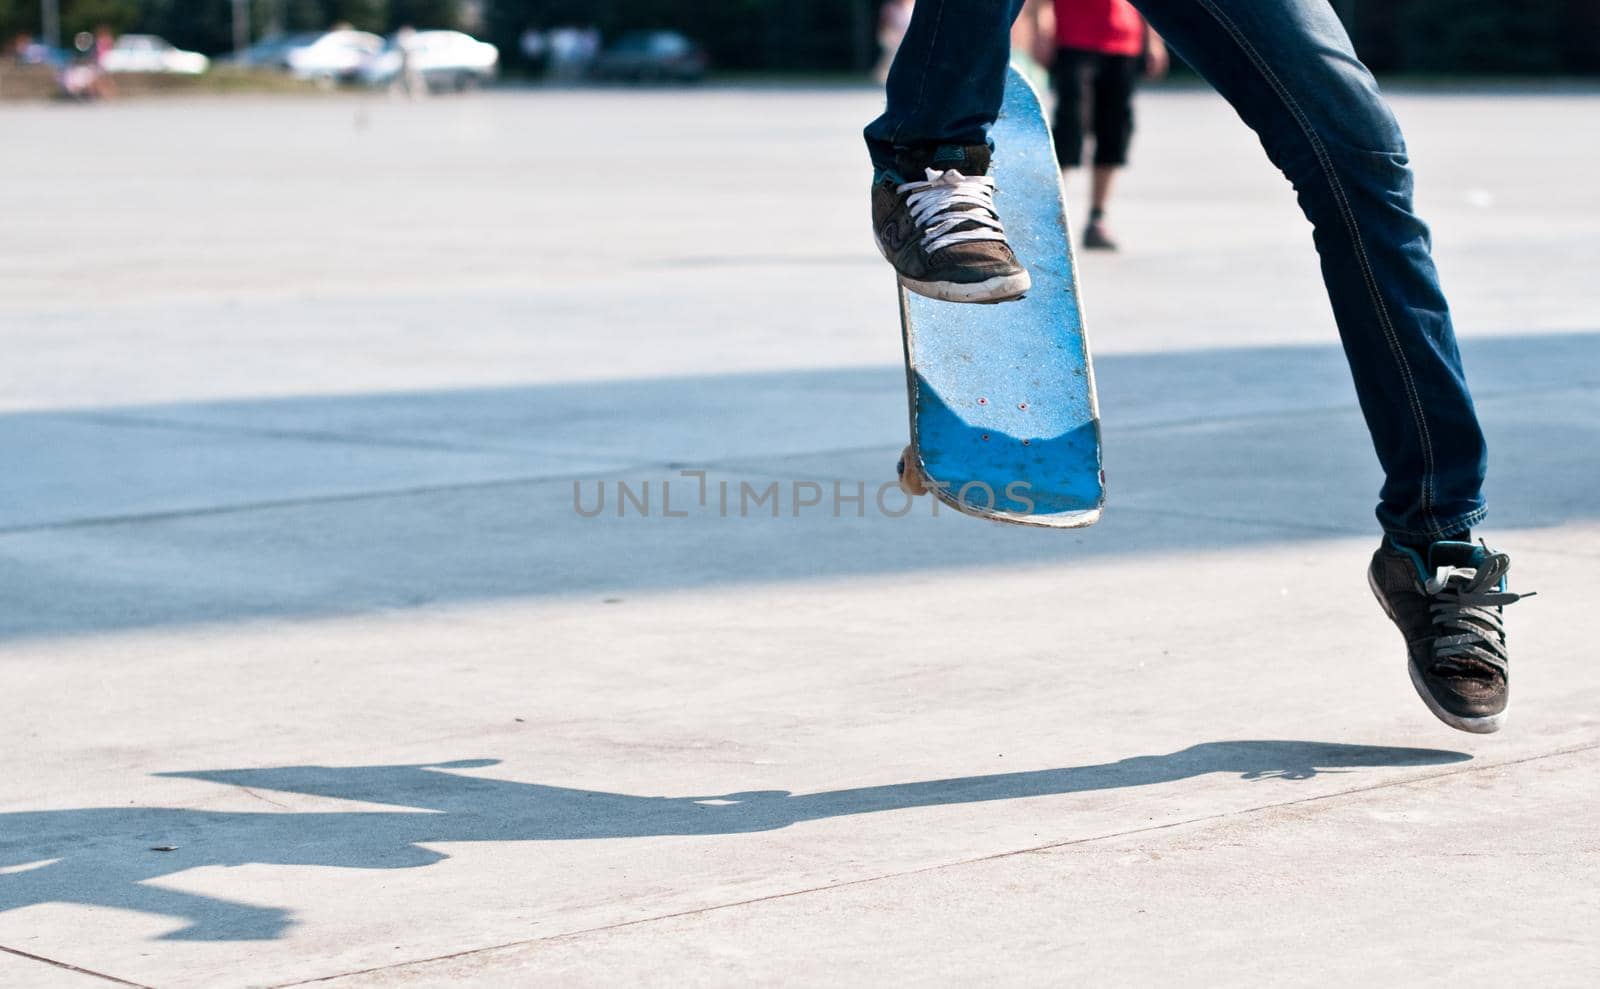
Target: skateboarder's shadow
(106, 856)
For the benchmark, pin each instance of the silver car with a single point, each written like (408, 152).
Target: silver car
(334, 56)
(444, 59)
(148, 53)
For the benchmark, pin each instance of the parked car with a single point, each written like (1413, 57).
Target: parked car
(446, 60)
(333, 56)
(148, 53)
(651, 56)
(41, 54)
(270, 53)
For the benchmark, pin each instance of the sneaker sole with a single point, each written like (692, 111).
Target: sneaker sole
(1000, 288)
(1486, 725)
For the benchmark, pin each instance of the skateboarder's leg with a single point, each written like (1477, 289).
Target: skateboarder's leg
(1289, 70)
(932, 205)
(947, 79)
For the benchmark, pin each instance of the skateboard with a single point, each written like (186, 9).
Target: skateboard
(1004, 422)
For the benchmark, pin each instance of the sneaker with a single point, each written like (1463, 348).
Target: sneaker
(1449, 610)
(940, 229)
(1097, 238)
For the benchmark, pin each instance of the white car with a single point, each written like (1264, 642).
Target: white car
(148, 53)
(332, 56)
(446, 60)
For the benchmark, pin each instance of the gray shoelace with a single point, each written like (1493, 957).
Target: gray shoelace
(1466, 604)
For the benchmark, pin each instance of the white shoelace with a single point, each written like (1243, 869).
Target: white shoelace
(939, 205)
(1441, 577)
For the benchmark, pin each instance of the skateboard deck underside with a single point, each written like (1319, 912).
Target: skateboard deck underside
(1004, 420)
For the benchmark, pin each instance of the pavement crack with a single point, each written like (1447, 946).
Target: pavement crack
(961, 863)
(126, 420)
(266, 799)
(240, 508)
(1282, 413)
(137, 518)
(71, 968)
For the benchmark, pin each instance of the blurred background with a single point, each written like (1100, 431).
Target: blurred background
(672, 40)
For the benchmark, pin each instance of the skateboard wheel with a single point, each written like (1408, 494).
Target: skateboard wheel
(912, 480)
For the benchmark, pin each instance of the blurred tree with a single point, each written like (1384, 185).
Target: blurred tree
(1580, 33)
(86, 15)
(424, 13)
(304, 15)
(17, 17)
(1476, 36)
(1371, 27)
(198, 25)
(363, 15)
(319, 15)
(1452, 36)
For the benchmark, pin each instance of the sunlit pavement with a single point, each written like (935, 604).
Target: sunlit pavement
(314, 666)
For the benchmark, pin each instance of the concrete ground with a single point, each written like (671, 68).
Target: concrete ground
(312, 671)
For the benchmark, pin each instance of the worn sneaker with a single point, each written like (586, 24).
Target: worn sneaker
(1449, 610)
(940, 230)
(1097, 238)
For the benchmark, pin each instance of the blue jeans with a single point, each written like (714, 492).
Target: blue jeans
(1288, 69)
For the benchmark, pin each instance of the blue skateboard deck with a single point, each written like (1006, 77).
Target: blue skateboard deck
(1004, 422)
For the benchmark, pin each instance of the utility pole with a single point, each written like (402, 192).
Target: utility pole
(50, 22)
(241, 25)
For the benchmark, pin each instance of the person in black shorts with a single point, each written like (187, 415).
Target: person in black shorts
(1096, 51)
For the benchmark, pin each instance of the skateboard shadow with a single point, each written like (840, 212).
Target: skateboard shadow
(105, 856)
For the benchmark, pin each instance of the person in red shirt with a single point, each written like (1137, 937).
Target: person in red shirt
(1095, 50)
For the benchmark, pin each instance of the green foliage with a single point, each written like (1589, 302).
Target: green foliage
(197, 25)
(11, 22)
(304, 15)
(1475, 36)
(87, 15)
(424, 14)
(319, 15)
(1449, 36)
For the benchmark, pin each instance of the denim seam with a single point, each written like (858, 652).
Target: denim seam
(1325, 161)
(922, 88)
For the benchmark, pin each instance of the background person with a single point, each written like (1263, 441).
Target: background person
(893, 19)
(409, 81)
(1096, 51)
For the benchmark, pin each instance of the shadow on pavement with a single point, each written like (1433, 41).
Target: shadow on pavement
(106, 857)
(228, 511)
